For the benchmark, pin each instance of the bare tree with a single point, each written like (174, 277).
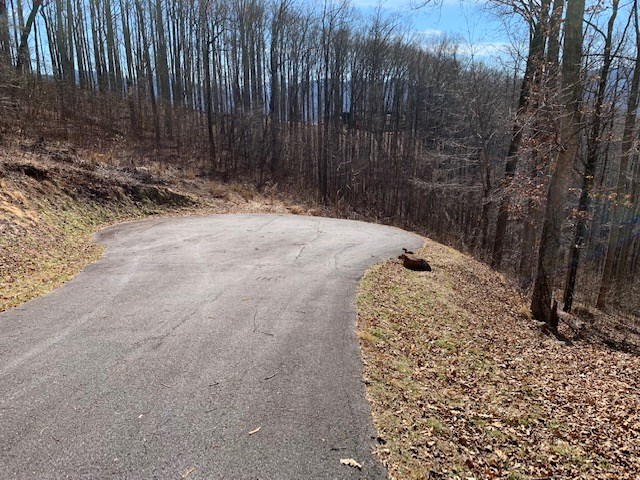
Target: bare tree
(542, 304)
(5, 39)
(614, 253)
(23, 61)
(594, 141)
(537, 17)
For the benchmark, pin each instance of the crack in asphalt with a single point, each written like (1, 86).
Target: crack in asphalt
(316, 236)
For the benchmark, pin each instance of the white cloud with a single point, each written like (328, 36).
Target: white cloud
(479, 50)
(430, 32)
(388, 4)
(412, 5)
(485, 49)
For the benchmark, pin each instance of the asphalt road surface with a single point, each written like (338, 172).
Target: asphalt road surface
(160, 359)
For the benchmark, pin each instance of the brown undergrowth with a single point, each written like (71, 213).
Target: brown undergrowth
(463, 384)
(53, 197)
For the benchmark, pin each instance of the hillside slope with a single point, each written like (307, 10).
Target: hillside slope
(53, 198)
(464, 384)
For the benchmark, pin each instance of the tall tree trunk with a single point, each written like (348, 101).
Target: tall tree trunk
(544, 135)
(162, 68)
(82, 47)
(113, 52)
(24, 60)
(541, 303)
(206, 58)
(5, 38)
(534, 63)
(149, 70)
(70, 46)
(96, 36)
(623, 183)
(593, 144)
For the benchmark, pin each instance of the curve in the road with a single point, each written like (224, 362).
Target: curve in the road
(160, 359)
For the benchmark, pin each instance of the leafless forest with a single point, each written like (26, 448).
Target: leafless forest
(532, 167)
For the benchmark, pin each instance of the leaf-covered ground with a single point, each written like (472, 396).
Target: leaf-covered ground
(53, 198)
(463, 384)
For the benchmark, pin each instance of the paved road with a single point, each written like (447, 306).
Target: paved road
(159, 359)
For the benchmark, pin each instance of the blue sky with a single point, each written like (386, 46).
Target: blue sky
(480, 29)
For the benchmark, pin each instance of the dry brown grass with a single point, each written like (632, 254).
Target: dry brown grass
(463, 384)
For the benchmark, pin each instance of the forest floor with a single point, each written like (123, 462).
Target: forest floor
(464, 384)
(53, 198)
